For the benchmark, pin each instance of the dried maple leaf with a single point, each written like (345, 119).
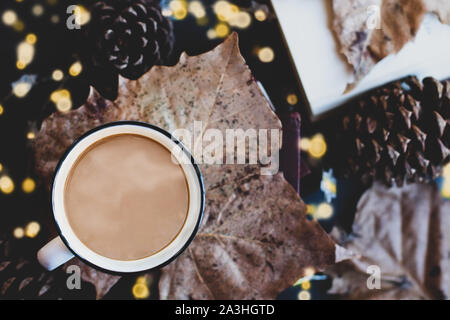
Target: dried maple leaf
(399, 22)
(255, 239)
(403, 231)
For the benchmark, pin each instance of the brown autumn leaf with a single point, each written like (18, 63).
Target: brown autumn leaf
(400, 21)
(255, 239)
(403, 231)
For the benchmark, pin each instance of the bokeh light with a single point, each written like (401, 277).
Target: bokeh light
(324, 211)
(304, 295)
(292, 99)
(318, 146)
(28, 185)
(32, 229)
(196, 9)
(75, 69)
(57, 75)
(31, 38)
(260, 15)
(266, 54)
(6, 184)
(25, 54)
(62, 99)
(1, 110)
(19, 233)
(140, 291)
(9, 17)
(222, 30)
(306, 285)
(82, 15)
(37, 10)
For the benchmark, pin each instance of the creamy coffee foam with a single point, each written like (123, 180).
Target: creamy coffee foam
(125, 199)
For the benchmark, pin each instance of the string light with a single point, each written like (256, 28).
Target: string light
(32, 229)
(266, 55)
(6, 185)
(75, 69)
(23, 86)
(57, 75)
(9, 17)
(28, 185)
(18, 233)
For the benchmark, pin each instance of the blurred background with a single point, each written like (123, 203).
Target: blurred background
(42, 72)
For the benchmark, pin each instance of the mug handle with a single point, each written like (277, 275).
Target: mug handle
(54, 254)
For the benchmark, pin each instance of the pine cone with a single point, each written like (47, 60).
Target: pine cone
(127, 37)
(398, 132)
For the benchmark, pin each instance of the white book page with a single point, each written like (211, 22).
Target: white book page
(323, 72)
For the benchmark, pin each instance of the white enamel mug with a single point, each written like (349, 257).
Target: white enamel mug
(68, 245)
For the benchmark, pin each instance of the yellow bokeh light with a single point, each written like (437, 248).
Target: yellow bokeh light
(18, 233)
(62, 99)
(75, 69)
(222, 30)
(196, 9)
(292, 99)
(179, 9)
(19, 26)
(260, 15)
(37, 10)
(304, 295)
(21, 89)
(31, 38)
(54, 18)
(1, 111)
(306, 285)
(57, 75)
(28, 185)
(304, 144)
(31, 135)
(140, 291)
(6, 185)
(324, 211)
(266, 55)
(318, 146)
(211, 34)
(25, 53)
(82, 15)
(52, 2)
(20, 65)
(240, 20)
(9, 17)
(309, 271)
(32, 229)
(310, 209)
(1, 167)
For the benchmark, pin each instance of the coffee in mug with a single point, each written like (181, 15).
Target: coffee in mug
(121, 202)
